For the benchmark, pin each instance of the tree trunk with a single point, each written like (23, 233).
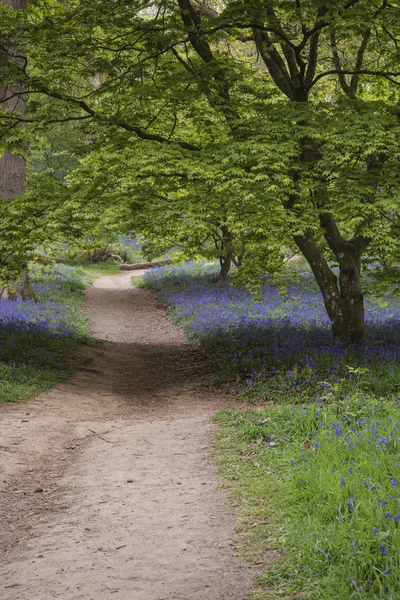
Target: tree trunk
(227, 257)
(352, 296)
(295, 77)
(22, 288)
(12, 164)
(16, 4)
(343, 299)
(225, 266)
(12, 175)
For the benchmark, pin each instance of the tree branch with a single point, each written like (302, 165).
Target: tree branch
(359, 62)
(338, 66)
(313, 52)
(273, 62)
(286, 44)
(141, 133)
(183, 63)
(387, 75)
(192, 22)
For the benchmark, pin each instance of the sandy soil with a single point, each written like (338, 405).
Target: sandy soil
(107, 489)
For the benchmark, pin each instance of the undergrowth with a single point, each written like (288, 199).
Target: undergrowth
(320, 485)
(37, 336)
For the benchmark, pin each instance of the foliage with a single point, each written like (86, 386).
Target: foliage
(55, 150)
(142, 185)
(129, 249)
(276, 120)
(35, 337)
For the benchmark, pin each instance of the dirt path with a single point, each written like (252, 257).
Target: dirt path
(106, 486)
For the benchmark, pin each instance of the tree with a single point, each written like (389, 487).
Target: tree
(192, 218)
(12, 162)
(35, 158)
(293, 105)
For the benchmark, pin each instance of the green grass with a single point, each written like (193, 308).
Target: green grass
(24, 382)
(94, 270)
(318, 483)
(137, 281)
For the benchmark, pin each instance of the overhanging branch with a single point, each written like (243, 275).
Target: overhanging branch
(386, 74)
(141, 133)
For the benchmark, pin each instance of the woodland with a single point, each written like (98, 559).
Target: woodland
(236, 129)
(254, 147)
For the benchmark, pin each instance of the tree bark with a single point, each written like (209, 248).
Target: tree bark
(22, 288)
(225, 266)
(16, 4)
(223, 239)
(294, 76)
(12, 98)
(353, 297)
(12, 164)
(343, 299)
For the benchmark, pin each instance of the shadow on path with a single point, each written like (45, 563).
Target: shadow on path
(107, 485)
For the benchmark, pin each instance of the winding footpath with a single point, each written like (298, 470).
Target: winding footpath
(107, 489)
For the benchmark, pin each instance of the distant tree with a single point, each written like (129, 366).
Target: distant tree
(193, 218)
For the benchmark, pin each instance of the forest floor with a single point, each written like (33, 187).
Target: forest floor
(107, 487)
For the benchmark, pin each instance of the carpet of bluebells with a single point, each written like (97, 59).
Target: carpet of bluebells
(282, 341)
(328, 449)
(34, 335)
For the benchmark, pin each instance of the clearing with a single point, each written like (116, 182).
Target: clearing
(106, 485)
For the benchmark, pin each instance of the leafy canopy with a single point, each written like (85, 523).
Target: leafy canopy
(264, 116)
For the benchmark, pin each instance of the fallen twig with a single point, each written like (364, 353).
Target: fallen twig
(100, 436)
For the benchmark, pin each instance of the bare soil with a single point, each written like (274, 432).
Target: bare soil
(107, 488)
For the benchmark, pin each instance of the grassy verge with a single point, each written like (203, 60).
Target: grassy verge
(319, 484)
(37, 337)
(137, 281)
